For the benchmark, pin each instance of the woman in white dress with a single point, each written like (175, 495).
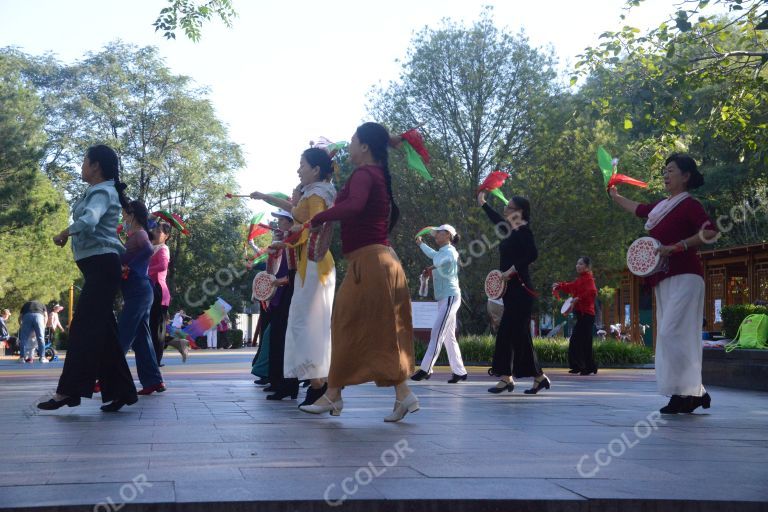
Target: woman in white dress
(308, 338)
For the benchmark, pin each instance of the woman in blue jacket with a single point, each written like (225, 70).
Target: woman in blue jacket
(93, 351)
(445, 274)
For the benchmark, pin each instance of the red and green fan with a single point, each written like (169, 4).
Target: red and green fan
(256, 227)
(492, 184)
(173, 219)
(416, 154)
(609, 167)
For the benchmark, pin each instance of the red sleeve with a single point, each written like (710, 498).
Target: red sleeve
(568, 287)
(358, 188)
(643, 210)
(159, 261)
(699, 218)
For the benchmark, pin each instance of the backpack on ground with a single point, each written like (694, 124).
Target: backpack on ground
(752, 333)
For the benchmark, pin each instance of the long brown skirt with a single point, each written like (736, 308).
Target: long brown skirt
(371, 327)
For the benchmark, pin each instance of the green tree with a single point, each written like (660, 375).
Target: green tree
(696, 83)
(490, 101)
(32, 211)
(175, 154)
(189, 15)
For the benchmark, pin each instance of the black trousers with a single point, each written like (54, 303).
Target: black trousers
(514, 354)
(158, 318)
(580, 355)
(279, 323)
(93, 350)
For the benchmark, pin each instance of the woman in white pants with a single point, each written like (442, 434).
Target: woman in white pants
(680, 223)
(448, 296)
(212, 337)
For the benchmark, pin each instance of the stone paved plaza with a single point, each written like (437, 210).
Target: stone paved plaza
(212, 442)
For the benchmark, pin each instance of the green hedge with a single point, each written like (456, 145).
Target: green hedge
(234, 338)
(550, 351)
(61, 340)
(734, 315)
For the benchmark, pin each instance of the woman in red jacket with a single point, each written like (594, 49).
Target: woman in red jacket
(584, 293)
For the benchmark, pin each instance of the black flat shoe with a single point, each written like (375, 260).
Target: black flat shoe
(677, 404)
(116, 405)
(509, 386)
(543, 383)
(574, 371)
(52, 405)
(313, 394)
(263, 381)
(279, 395)
(421, 375)
(694, 402)
(456, 378)
(268, 388)
(588, 372)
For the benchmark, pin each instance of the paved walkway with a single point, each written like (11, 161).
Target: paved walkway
(590, 443)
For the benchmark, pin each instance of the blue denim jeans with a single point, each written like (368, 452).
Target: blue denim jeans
(32, 324)
(133, 329)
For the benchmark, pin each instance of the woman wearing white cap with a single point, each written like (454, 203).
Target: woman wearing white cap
(448, 297)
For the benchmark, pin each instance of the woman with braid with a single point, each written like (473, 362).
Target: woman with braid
(93, 350)
(371, 328)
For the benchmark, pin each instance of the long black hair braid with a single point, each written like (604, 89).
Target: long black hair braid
(376, 137)
(110, 168)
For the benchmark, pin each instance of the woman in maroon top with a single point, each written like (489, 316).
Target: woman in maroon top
(681, 225)
(584, 293)
(371, 328)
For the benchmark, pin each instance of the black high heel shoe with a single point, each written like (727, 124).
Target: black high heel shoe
(116, 405)
(52, 405)
(510, 386)
(543, 383)
(313, 394)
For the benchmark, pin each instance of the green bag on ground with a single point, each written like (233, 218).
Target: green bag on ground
(753, 333)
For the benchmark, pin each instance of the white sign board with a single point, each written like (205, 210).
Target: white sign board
(718, 310)
(424, 314)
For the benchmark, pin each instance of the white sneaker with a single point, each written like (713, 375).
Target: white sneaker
(44, 360)
(409, 404)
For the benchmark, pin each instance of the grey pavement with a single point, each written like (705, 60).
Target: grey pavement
(212, 442)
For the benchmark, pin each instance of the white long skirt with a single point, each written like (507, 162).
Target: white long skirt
(679, 316)
(308, 338)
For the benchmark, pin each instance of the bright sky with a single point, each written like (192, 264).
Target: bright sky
(290, 71)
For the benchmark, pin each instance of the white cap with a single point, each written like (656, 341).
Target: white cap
(446, 227)
(282, 213)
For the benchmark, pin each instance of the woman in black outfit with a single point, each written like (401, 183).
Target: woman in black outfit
(94, 351)
(514, 354)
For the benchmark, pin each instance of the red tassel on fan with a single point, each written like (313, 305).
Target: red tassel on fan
(493, 181)
(621, 178)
